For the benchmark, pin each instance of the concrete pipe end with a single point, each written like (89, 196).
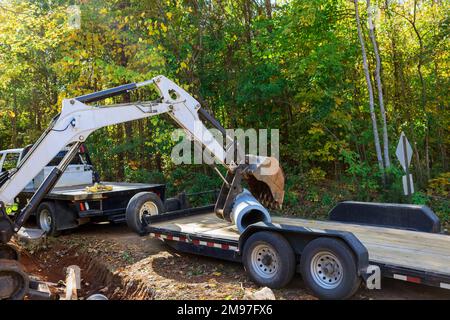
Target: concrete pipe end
(247, 210)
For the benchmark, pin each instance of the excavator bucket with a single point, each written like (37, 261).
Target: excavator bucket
(265, 180)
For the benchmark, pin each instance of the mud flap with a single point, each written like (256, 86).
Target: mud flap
(66, 217)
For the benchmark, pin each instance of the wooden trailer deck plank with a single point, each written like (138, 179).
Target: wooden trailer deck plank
(409, 249)
(198, 224)
(408, 240)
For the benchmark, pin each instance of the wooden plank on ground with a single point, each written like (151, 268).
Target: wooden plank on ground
(73, 282)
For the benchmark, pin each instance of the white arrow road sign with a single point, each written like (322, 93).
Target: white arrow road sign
(400, 152)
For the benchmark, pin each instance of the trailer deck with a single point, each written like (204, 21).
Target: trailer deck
(411, 256)
(79, 193)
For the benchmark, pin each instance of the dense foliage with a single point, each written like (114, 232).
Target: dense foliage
(293, 65)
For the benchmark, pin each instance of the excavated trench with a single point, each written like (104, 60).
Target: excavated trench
(49, 265)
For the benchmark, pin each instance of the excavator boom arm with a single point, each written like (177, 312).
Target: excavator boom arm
(78, 120)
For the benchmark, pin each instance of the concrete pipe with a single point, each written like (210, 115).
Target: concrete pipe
(97, 296)
(247, 210)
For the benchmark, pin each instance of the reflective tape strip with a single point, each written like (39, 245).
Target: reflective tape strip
(407, 278)
(414, 279)
(400, 277)
(195, 242)
(445, 285)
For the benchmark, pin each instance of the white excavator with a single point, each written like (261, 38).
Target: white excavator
(78, 120)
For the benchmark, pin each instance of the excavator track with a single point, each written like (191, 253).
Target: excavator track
(14, 281)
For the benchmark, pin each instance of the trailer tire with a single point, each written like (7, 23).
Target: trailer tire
(338, 277)
(269, 259)
(142, 203)
(46, 219)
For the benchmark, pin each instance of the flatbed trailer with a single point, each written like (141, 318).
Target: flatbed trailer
(417, 257)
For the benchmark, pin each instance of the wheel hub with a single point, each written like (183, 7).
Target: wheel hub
(265, 261)
(329, 269)
(326, 270)
(45, 220)
(149, 208)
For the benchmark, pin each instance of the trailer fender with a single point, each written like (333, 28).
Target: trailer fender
(299, 237)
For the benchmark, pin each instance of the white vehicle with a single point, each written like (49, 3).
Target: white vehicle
(68, 205)
(78, 172)
(9, 159)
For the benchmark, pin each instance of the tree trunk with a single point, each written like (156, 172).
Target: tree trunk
(268, 4)
(14, 117)
(423, 87)
(387, 159)
(247, 9)
(120, 170)
(142, 138)
(440, 128)
(418, 164)
(369, 88)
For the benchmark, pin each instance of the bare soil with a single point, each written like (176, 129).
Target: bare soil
(121, 265)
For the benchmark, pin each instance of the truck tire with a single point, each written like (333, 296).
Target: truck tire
(269, 259)
(46, 219)
(328, 268)
(140, 205)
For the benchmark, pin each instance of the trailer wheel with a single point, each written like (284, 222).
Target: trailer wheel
(141, 205)
(328, 268)
(269, 259)
(46, 219)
